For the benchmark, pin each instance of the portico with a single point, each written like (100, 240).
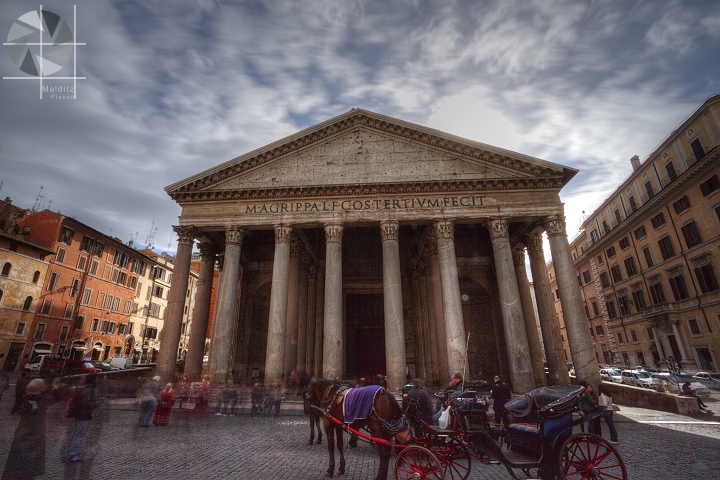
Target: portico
(368, 243)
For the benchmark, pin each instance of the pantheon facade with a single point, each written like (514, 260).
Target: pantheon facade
(367, 244)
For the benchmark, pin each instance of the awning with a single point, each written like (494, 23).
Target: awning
(42, 351)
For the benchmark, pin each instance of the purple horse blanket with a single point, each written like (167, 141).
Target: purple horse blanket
(358, 403)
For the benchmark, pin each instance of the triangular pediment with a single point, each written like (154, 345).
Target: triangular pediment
(361, 148)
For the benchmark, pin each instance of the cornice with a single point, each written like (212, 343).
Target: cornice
(361, 118)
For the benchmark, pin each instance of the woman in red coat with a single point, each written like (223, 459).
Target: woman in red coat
(166, 400)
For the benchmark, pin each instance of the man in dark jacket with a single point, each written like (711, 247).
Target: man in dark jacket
(85, 403)
(20, 391)
(501, 395)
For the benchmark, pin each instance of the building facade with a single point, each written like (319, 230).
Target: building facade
(648, 257)
(367, 245)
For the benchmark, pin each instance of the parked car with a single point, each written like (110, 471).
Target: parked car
(639, 379)
(712, 380)
(700, 390)
(643, 368)
(611, 375)
(121, 362)
(82, 368)
(105, 367)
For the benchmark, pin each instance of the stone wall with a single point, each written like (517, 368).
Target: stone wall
(647, 398)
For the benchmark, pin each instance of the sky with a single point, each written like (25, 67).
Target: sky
(171, 89)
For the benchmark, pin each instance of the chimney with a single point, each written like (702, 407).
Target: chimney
(635, 162)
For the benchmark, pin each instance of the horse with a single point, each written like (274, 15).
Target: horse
(385, 415)
(301, 381)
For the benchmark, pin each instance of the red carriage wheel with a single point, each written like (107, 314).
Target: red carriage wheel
(418, 463)
(586, 455)
(454, 455)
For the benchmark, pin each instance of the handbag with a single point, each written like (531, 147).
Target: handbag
(444, 419)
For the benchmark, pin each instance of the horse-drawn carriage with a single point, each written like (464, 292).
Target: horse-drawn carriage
(537, 435)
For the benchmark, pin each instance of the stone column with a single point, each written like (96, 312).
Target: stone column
(549, 324)
(425, 302)
(319, 322)
(201, 312)
(291, 334)
(450, 284)
(393, 302)
(438, 313)
(277, 322)
(226, 307)
(658, 344)
(516, 342)
(333, 326)
(686, 358)
(537, 359)
(311, 298)
(302, 317)
(170, 338)
(576, 325)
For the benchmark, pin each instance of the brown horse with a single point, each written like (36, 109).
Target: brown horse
(385, 411)
(301, 381)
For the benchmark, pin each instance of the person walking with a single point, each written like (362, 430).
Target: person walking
(166, 400)
(588, 405)
(85, 403)
(20, 392)
(605, 400)
(256, 397)
(148, 401)
(500, 394)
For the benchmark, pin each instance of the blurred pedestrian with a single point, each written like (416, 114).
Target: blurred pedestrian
(85, 403)
(256, 399)
(588, 405)
(689, 391)
(228, 398)
(4, 384)
(203, 400)
(276, 397)
(605, 400)
(20, 391)
(166, 400)
(148, 401)
(501, 394)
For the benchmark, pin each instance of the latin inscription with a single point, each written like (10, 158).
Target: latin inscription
(358, 205)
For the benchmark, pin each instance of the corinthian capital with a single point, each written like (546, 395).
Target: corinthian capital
(499, 228)
(333, 233)
(445, 228)
(186, 234)
(389, 229)
(295, 248)
(518, 254)
(208, 250)
(534, 242)
(283, 233)
(234, 234)
(555, 225)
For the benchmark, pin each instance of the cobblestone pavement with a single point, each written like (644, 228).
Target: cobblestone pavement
(654, 445)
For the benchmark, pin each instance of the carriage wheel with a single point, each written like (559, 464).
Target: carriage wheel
(454, 455)
(586, 455)
(418, 463)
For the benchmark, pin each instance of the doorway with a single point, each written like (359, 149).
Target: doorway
(13, 357)
(365, 335)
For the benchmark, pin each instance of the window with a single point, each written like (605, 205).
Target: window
(158, 291)
(682, 204)
(104, 326)
(710, 185)
(121, 329)
(694, 327)
(630, 266)
(6, 269)
(620, 338)
(20, 328)
(108, 302)
(69, 310)
(670, 169)
(624, 243)
(27, 303)
(600, 260)
(610, 305)
(599, 330)
(594, 236)
(666, 247)
(586, 278)
(135, 308)
(648, 256)
(618, 219)
(128, 306)
(93, 267)
(606, 229)
(159, 273)
(610, 252)
(658, 220)
(707, 280)
(679, 287)
(36, 277)
(121, 260)
(86, 297)
(111, 328)
(122, 279)
(86, 244)
(604, 281)
(132, 283)
(633, 204)
(639, 299)
(53, 281)
(657, 294)
(697, 149)
(39, 331)
(650, 334)
(154, 310)
(66, 236)
(46, 306)
(616, 275)
(98, 249)
(633, 335)
(63, 334)
(624, 305)
(94, 325)
(139, 267)
(691, 234)
(116, 304)
(13, 246)
(130, 328)
(640, 232)
(60, 257)
(649, 189)
(596, 310)
(75, 288)
(79, 322)
(82, 261)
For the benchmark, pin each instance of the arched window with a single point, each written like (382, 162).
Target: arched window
(36, 277)
(27, 303)
(6, 269)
